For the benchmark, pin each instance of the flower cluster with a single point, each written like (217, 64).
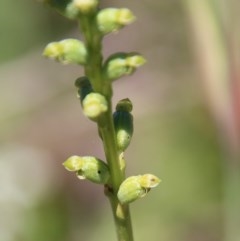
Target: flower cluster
(94, 89)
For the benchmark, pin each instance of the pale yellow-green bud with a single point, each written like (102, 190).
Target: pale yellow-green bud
(135, 61)
(94, 105)
(88, 167)
(149, 181)
(67, 51)
(113, 19)
(120, 64)
(94, 169)
(74, 51)
(136, 187)
(85, 6)
(73, 163)
(53, 50)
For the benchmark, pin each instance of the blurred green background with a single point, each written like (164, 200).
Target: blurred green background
(41, 124)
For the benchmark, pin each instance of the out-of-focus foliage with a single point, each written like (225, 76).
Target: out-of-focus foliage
(25, 25)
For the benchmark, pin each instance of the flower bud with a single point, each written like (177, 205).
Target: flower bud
(94, 170)
(88, 167)
(113, 19)
(123, 124)
(73, 163)
(86, 6)
(134, 60)
(67, 51)
(124, 105)
(131, 188)
(94, 105)
(120, 64)
(84, 87)
(149, 181)
(53, 50)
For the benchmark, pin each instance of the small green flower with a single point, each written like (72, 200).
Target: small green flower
(67, 51)
(149, 181)
(85, 6)
(53, 50)
(73, 163)
(113, 19)
(121, 64)
(94, 105)
(136, 187)
(88, 167)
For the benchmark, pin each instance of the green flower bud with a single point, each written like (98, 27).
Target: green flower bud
(67, 51)
(124, 105)
(74, 51)
(135, 60)
(132, 188)
(94, 105)
(113, 19)
(88, 167)
(120, 64)
(86, 6)
(53, 50)
(84, 87)
(73, 163)
(123, 124)
(149, 181)
(94, 170)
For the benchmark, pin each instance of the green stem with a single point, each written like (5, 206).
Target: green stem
(121, 213)
(110, 148)
(122, 220)
(93, 71)
(93, 41)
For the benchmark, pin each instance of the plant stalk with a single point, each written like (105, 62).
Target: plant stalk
(121, 213)
(93, 70)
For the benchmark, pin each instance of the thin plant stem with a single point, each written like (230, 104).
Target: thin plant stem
(94, 71)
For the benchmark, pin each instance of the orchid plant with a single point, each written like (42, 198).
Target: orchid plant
(94, 89)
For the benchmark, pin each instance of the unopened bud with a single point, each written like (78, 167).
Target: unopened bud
(85, 6)
(132, 188)
(121, 64)
(94, 105)
(73, 163)
(123, 124)
(113, 19)
(88, 167)
(67, 51)
(124, 105)
(149, 181)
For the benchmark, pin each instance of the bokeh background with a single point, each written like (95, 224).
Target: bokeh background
(186, 131)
